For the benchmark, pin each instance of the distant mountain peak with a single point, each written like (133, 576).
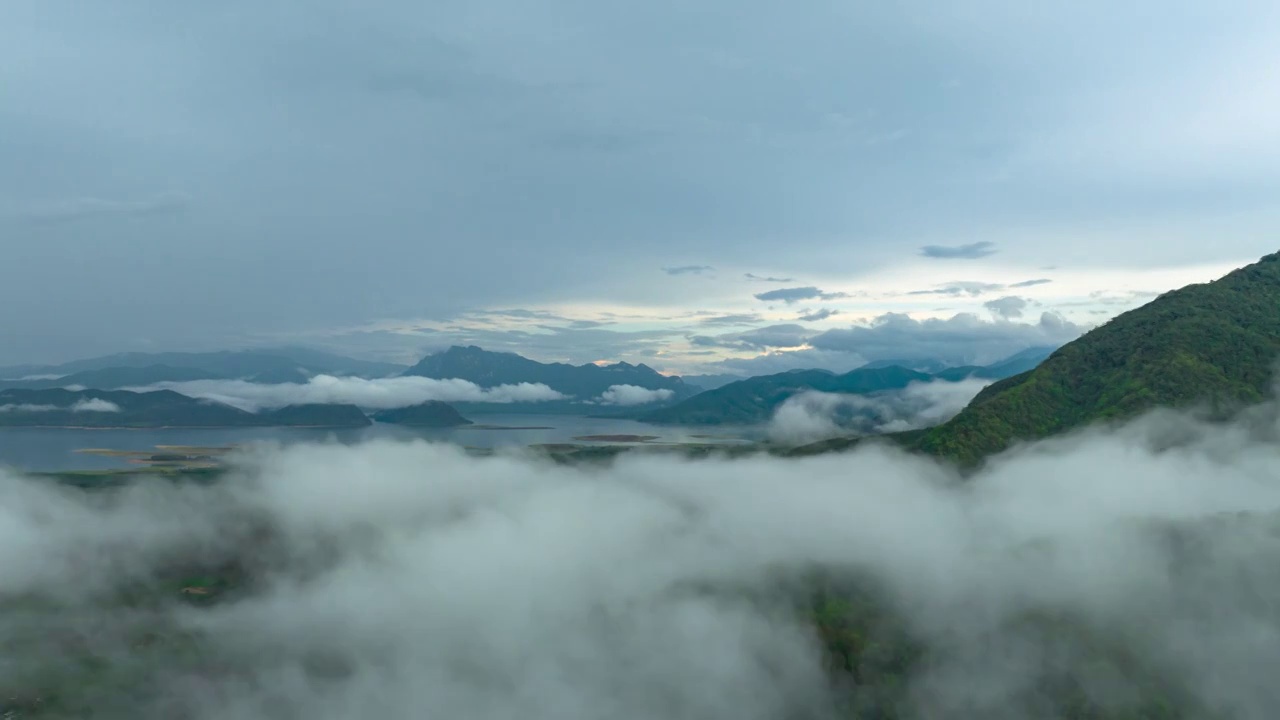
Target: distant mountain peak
(224, 364)
(753, 400)
(584, 382)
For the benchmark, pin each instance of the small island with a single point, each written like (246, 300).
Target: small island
(432, 414)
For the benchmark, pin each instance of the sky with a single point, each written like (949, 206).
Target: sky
(731, 187)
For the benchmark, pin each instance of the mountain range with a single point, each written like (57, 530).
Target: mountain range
(1213, 345)
(754, 400)
(661, 399)
(271, 365)
(162, 408)
(581, 382)
(112, 378)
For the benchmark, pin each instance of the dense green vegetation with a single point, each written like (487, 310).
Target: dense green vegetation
(162, 408)
(754, 400)
(1213, 345)
(582, 382)
(431, 413)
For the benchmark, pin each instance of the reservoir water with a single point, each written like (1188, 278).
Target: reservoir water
(49, 450)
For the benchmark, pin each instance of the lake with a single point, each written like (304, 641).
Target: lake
(49, 450)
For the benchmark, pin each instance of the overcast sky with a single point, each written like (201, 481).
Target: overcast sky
(589, 180)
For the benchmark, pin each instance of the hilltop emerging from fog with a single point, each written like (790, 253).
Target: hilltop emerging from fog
(1214, 346)
(755, 400)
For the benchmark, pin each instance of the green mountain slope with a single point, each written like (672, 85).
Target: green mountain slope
(431, 413)
(1215, 344)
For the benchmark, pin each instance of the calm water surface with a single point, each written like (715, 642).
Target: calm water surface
(45, 450)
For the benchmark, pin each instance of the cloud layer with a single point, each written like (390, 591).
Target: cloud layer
(378, 394)
(28, 407)
(812, 416)
(1009, 307)
(389, 579)
(786, 335)
(89, 405)
(962, 339)
(629, 395)
(817, 315)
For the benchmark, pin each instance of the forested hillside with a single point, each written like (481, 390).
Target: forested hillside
(1215, 344)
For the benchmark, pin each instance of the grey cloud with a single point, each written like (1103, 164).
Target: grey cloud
(972, 251)
(732, 319)
(794, 295)
(757, 278)
(1009, 307)
(777, 336)
(517, 314)
(963, 287)
(772, 362)
(974, 289)
(1127, 299)
(719, 341)
(963, 339)
(416, 146)
(772, 336)
(91, 207)
(817, 315)
(688, 270)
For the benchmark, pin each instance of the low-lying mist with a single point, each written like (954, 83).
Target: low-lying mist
(408, 580)
(375, 394)
(812, 416)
